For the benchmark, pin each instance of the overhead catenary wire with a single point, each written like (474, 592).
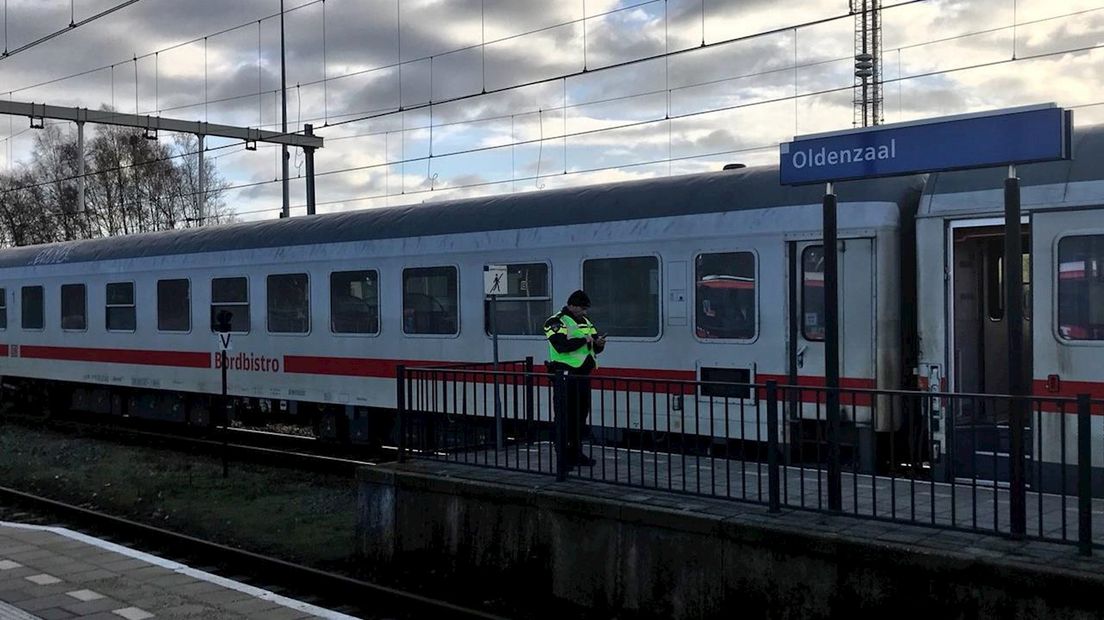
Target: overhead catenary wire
(403, 161)
(811, 94)
(718, 43)
(384, 111)
(69, 28)
(163, 49)
(346, 75)
(685, 115)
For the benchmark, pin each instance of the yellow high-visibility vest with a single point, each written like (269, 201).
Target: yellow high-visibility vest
(571, 329)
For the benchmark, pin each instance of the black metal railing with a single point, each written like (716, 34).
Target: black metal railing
(929, 458)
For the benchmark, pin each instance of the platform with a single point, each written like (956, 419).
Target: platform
(975, 505)
(52, 573)
(606, 545)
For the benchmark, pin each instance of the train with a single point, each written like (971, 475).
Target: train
(715, 276)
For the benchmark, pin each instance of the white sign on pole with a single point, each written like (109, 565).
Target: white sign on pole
(224, 342)
(494, 280)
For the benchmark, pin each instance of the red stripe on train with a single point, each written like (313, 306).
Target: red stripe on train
(141, 357)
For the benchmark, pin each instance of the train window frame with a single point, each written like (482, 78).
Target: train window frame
(157, 308)
(379, 304)
(23, 308)
(801, 285)
(84, 306)
(551, 298)
(3, 308)
(247, 303)
(268, 306)
(459, 300)
(133, 306)
(1054, 277)
(661, 282)
(758, 306)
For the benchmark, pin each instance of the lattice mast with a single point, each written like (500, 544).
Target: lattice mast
(868, 62)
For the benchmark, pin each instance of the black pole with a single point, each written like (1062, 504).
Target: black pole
(400, 408)
(225, 412)
(1084, 476)
(794, 412)
(497, 400)
(772, 447)
(308, 155)
(1013, 316)
(831, 348)
(559, 409)
(223, 327)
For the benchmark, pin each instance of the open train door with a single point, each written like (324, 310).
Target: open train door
(980, 432)
(807, 423)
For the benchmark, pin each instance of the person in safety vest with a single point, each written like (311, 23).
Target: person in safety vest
(573, 348)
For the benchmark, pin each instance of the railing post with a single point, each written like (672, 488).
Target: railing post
(559, 395)
(530, 394)
(400, 408)
(529, 389)
(1084, 476)
(772, 446)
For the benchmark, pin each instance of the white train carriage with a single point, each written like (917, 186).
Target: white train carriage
(963, 342)
(711, 276)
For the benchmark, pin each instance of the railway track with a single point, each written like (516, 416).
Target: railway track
(319, 587)
(238, 444)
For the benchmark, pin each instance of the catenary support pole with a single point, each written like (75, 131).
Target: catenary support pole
(201, 197)
(284, 156)
(80, 179)
(308, 155)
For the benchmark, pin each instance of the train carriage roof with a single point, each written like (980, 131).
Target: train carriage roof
(1074, 182)
(731, 190)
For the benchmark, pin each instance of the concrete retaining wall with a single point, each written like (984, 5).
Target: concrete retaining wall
(610, 556)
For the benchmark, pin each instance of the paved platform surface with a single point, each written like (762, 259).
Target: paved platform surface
(730, 481)
(982, 506)
(55, 574)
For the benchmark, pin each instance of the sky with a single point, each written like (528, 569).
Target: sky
(486, 106)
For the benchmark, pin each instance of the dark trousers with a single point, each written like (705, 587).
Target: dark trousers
(571, 401)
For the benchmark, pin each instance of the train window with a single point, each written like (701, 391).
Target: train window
(288, 304)
(32, 307)
(625, 294)
(174, 305)
(119, 309)
(431, 301)
(74, 309)
(724, 294)
(231, 295)
(3, 308)
(525, 303)
(354, 302)
(812, 292)
(994, 280)
(1081, 287)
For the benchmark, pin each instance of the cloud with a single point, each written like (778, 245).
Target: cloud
(703, 107)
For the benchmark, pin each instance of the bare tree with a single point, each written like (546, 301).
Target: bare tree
(131, 185)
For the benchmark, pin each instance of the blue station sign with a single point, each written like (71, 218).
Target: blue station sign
(1000, 138)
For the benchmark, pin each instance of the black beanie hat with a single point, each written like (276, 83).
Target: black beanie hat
(579, 298)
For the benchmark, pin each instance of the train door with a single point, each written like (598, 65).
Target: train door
(979, 347)
(857, 343)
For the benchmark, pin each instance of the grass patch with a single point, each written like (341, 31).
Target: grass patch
(303, 517)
